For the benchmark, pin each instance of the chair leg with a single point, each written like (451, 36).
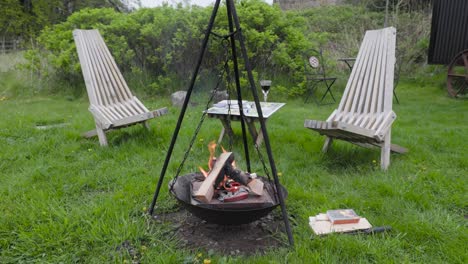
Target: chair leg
(101, 135)
(307, 97)
(327, 144)
(396, 97)
(328, 85)
(146, 125)
(333, 97)
(311, 92)
(385, 152)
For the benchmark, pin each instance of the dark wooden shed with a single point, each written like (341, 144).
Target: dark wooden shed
(449, 31)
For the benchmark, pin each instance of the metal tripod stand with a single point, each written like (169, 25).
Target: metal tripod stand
(233, 24)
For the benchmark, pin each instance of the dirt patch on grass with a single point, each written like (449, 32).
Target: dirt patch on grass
(254, 238)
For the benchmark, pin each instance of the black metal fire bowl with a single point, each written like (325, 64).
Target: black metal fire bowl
(223, 216)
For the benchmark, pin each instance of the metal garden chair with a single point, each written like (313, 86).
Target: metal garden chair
(316, 77)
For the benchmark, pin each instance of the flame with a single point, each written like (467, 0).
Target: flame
(204, 172)
(212, 159)
(233, 162)
(222, 184)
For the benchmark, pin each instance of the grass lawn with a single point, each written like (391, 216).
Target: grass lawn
(66, 199)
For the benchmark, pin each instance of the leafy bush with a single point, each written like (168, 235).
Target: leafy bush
(412, 40)
(157, 48)
(166, 41)
(339, 30)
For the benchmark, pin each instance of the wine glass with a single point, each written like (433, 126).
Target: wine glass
(265, 84)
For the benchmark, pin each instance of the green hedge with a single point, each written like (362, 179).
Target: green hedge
(164, 42)
(157, 48)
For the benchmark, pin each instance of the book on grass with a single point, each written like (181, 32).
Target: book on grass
(343, 216)
(323, 227)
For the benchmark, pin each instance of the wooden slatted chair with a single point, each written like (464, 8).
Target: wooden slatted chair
(364, 115)
(112, 104)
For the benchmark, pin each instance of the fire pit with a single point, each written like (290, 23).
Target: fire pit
(225, 194)
(233, 213)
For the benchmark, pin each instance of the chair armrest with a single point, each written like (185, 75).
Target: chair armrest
(160, 112)
(385, 125)
(103, 121)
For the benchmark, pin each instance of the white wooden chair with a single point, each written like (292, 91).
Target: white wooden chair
(364, 115)
(112, 104)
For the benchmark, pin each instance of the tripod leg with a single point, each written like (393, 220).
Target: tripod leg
(232, 11)
(238, 87)
(184, 106)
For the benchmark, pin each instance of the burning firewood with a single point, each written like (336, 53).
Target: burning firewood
(217, 178)
(255, 185)
(206, 191)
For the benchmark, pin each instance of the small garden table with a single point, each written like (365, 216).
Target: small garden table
(349, 62)
(225, 109)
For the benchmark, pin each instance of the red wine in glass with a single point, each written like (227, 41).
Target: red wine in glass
(265, 84)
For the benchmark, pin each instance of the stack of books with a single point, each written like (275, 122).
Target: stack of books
(339, 221)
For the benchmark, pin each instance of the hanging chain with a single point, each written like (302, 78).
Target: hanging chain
(265, 169)
(228, 89)
(202, 118)
(259, 153)
(262, 160)
(224, 71)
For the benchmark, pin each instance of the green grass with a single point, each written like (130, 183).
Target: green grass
(66, 199)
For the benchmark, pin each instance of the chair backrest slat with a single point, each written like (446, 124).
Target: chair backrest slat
(88, 73)
(122, 92)
(348, 94)
(375, 60)
(381, 87)
(363, 79)
(370, 85)
(112, 85)
(100, 87)
(138, 105)
(104, 81)
(390, 71)
(377, 81)
(99, 68)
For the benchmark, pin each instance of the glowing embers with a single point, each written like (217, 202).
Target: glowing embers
(224, 194)
(225, 213)
(223, 181)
